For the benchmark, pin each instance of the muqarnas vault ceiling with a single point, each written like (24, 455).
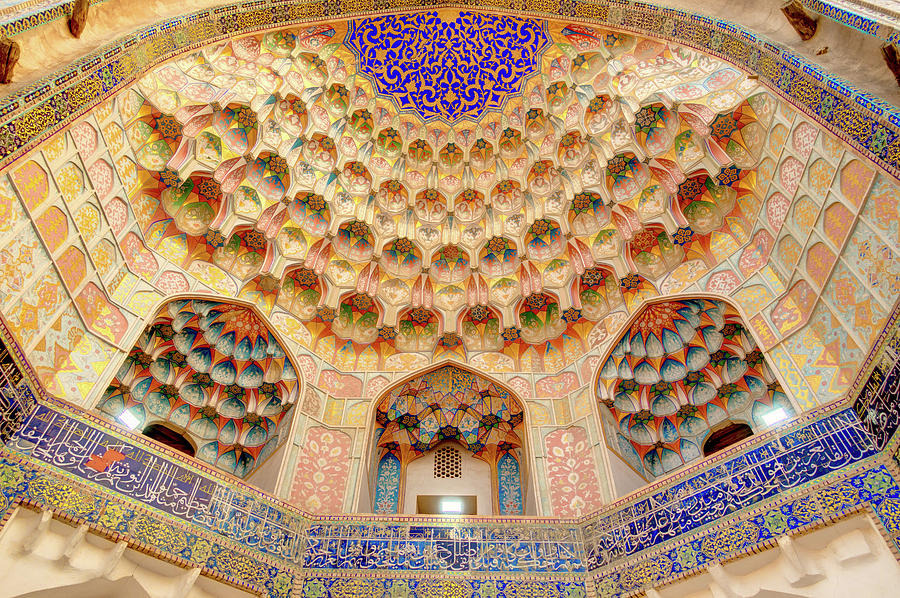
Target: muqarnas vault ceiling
(383, 214)
(494, 223)
(214, 372)
(681, 368)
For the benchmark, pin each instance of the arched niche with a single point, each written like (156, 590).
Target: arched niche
(214, 372)
(680, 370)
(448, 406)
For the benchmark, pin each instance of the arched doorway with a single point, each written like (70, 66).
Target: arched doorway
(449, 433)
(170, 437)
(731, 433)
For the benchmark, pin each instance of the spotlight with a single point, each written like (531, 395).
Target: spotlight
(774, 416)
(129, 420)
(451, 506)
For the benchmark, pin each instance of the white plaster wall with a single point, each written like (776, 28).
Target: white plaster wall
(848, 558)
(625, 479)
(475, 480)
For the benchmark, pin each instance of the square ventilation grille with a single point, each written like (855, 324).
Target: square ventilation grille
(447, 463)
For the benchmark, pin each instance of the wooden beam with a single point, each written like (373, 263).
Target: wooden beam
(79, 16)
(892, 58)
(9, 56)
(803, 24)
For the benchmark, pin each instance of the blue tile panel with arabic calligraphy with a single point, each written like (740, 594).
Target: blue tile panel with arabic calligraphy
(111, 463)
(873, 488)
(448, 69)
(877, 403)
(126, 519)
(762, 473)
(488, 547)
(91, 454)
(319, 587)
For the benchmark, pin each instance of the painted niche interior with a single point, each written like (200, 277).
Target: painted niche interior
(678, 372)
(213, 371)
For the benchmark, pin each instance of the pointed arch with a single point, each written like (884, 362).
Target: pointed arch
(679, 368)
(449, 402)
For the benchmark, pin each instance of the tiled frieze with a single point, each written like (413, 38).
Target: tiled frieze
(16, 397)
(762, 473)
(736, 504)
(80, 448)
(120, 518)
(873, 489)
(877, 388)
(511, 546)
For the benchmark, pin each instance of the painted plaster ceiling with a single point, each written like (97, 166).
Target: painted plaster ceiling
(446, 184)
(449, 403)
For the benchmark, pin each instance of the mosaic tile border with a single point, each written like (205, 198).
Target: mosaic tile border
(866, 487)
(23, 482)
(868, 124)
(701, 469)
(869, 23)
(763, 473)
(872, 488)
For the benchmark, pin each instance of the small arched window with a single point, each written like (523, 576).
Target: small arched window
(725, 437)
(169, 437)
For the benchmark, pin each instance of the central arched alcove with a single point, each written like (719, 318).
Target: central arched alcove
(453, 433)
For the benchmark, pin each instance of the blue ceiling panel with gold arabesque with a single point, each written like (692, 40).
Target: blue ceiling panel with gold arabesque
(448, 69)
